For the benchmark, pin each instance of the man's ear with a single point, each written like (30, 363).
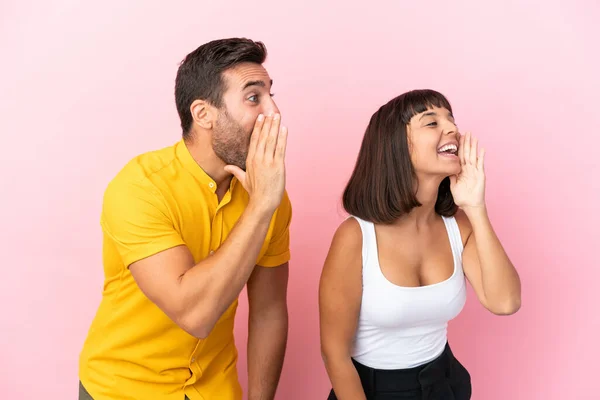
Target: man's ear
(203, 113)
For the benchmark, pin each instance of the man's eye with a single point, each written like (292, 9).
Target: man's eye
(253, 98)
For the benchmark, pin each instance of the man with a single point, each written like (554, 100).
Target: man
(185, 229)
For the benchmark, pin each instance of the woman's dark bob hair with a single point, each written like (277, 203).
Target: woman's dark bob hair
(382, 186)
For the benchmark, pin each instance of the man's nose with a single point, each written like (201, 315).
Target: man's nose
(270, 108)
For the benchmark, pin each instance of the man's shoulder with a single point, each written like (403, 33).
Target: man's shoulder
(285, 200)
(146, 164)
(286, 203)
(284, 210)
(137, 174)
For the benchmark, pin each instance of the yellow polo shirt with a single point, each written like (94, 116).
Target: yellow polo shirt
(159, 200)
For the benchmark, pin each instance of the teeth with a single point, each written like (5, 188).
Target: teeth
(447, 147)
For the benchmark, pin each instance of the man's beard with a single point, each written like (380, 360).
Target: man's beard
(230, 142)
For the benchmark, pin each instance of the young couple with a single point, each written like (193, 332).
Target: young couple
(187, 227)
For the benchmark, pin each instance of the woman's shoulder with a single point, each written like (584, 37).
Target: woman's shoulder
(349, 232)
(345, 252)
(347, 240)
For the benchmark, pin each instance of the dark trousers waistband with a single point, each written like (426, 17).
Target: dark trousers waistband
(410, 378)
(443, 378)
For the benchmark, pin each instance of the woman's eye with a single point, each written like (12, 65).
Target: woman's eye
(432, 124)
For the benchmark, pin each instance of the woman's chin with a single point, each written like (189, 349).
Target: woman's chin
(443, 171)
(446, 172)
(456, 170)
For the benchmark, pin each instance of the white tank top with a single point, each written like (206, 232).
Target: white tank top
(404, 327)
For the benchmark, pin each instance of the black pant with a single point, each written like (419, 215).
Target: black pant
(441, 379)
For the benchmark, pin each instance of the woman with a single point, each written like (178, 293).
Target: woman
(395, 272)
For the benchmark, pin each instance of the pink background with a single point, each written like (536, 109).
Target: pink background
(86, 87)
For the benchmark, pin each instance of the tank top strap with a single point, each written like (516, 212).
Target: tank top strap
(369, 247)
(454, 235)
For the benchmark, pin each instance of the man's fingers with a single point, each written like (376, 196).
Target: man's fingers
(238, 173)
(255, 135)
(264, 134)
(281, 144)
(271, 143)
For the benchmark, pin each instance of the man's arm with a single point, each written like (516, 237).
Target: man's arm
(267, 330)
(196, 295)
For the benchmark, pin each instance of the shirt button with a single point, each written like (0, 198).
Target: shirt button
(212, 252)
(193, 359)
(211, 185)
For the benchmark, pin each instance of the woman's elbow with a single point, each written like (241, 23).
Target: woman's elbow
(332, 355)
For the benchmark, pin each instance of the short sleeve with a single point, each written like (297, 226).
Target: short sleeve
(137, 221)
(278, 251)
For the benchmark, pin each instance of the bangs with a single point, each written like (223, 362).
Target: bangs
(418, 101)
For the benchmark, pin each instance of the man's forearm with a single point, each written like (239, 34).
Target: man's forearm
(210, 287)
(267, 339)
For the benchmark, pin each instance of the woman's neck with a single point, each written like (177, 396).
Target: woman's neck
(427, 193)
